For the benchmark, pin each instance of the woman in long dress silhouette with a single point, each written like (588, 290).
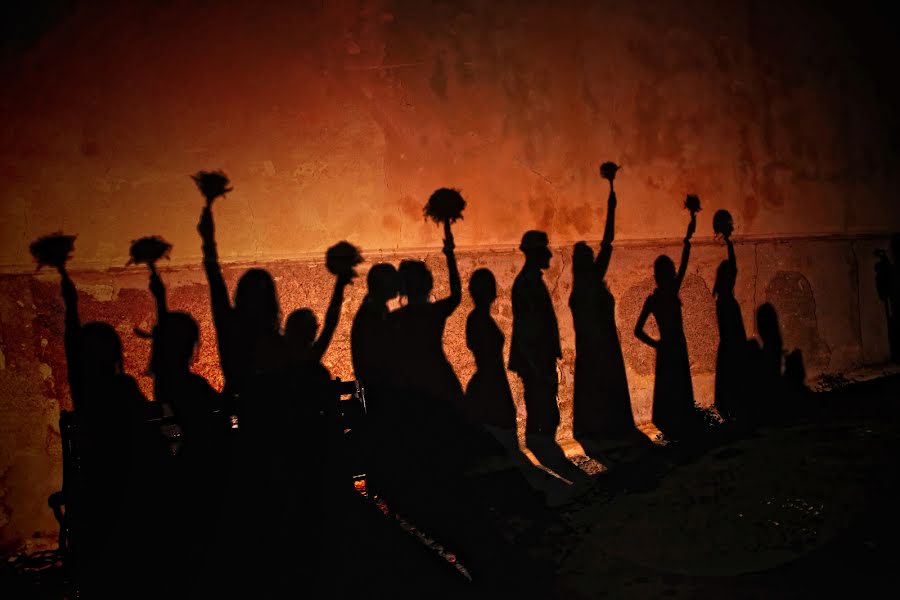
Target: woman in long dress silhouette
(673, 393)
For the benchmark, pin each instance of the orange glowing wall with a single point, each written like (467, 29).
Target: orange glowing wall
(337, 119)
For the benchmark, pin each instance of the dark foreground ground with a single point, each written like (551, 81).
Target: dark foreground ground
(801, 508)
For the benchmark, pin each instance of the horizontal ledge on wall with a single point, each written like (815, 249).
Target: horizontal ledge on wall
(388, 254)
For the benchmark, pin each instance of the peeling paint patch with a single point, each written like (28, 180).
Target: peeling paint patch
(45, 370)
(101, 293)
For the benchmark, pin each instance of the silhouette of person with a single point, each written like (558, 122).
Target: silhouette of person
(372, 351)
(673, 393)
(887, 284)
(535, 346)
(602, 402)
(301, 326)
(248, 332)
(533, 353)
(116, 446)
(203, 461)
(731, 359)
(770, 359)
(370, 339)
(488, 396)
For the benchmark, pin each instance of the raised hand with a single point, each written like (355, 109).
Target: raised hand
(692, 227)
(206, 228)
(449, 244)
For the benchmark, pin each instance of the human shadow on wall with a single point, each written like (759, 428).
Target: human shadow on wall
(887, 284)
(430, 479)
(199, 463)
(533, 355)
(107, 488)
(732, 360)
(489, 398)
(673, 393)
(776, 380)
(602, 403)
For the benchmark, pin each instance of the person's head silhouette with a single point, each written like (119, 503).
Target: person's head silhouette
(767, 325)
(535, 246)
(256, 302)
(725, 279)
(101, 350)
(483, 288)
(415, 281)
(300, 330)
(382, 282)
(175, 340)
(582, 258)
(664, 272)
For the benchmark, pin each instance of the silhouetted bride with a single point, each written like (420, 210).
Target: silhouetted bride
(488, 396)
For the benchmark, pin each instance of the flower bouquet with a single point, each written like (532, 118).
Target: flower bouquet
(148, 250)
(342, 258)
(692, 204)
(608, 170)
(212, 184)
(445, 206)
(53, 250)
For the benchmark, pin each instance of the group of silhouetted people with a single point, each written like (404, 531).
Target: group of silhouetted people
(254, 493)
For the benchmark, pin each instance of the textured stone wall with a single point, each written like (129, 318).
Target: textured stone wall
(823, 290)
(336, 120)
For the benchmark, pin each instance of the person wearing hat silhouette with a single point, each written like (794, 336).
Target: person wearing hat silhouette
(535, 347)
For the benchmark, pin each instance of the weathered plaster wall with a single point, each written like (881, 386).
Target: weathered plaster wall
(336, 119)
(823, 291)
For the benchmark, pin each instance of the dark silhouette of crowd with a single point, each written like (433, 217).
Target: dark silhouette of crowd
(240, 492)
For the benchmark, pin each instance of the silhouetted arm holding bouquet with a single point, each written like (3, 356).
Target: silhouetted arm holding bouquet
(54, 250)
(218, 292)
(213, 184)
(341, 260)
(444, 207)
(608, 172)
(692, 203)
(148, 250)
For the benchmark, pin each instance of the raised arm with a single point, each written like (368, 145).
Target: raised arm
(686, 251)
(158, 289)
(332, 316)
(72, 334)
(639, 332)
(218, 292)
(605, 254)
(452, 301)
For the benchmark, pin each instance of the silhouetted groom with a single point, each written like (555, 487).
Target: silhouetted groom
(535, 337)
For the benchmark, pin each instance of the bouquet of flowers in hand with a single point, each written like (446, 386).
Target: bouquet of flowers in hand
(445, 206)
(212, 184)
(52, 250)
(148, 250)
(692, 203)
(608, 170)
(342, 258)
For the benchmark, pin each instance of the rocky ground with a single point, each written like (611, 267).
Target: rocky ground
(801, 508)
